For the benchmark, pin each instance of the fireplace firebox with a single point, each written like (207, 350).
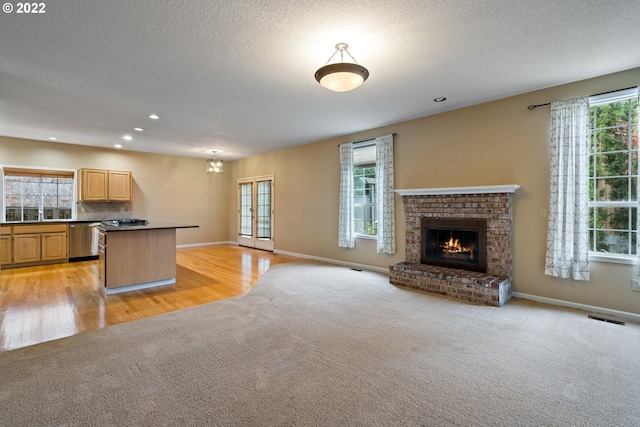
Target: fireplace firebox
(455, 243)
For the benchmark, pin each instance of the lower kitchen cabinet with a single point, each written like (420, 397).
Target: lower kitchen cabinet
(54, 246)
(26, 248)
(29, 244)
(5, 249)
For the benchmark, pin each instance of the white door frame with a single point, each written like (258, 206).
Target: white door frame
(250, 239)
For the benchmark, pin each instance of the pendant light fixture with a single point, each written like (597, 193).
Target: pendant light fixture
(214, 165)
(342, 76)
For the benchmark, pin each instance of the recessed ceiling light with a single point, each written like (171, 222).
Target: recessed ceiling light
(440, 99)
(154, 116)
(138, 129)
(118, 146)
(53, 138)
(127, 137)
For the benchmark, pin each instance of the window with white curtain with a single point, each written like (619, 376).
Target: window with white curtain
(365, 219)
(613, 173)
(367, 206)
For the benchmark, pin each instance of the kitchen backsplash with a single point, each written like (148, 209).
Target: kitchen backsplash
(95, 211)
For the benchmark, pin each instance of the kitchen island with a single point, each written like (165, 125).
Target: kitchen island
(137, 255)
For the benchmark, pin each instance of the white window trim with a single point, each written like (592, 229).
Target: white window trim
(366, 236)
(607, 98)
(613, 258)
(357, 145)
(74, 201)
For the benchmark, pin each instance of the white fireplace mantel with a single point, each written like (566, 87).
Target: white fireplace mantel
(483, 189)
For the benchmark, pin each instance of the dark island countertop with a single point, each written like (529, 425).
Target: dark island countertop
(152, 225)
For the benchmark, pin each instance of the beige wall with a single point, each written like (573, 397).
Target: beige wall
(500, 142)
(166, 188)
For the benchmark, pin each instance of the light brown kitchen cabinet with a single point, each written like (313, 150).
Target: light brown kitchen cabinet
(26, 248)
(120, 186)
(93, 185)
(54, 246)
(97, 185)
(35, 244)
(5, 246)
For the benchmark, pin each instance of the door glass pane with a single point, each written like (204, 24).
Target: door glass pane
(245, 209)
(264, 210)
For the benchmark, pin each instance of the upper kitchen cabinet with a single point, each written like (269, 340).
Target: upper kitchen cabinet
(93, 185)
(120, 186)
(98, 185)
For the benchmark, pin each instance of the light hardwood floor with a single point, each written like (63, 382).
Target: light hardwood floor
(44, 303)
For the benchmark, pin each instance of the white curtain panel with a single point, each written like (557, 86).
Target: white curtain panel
(346, 235)
(568, 236)
(385, 198)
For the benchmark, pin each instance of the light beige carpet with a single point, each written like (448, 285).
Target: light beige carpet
(316, 344)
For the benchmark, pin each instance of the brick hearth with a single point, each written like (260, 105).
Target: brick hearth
(494, 204)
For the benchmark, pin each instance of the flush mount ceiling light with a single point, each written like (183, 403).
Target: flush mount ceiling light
(214, 165)
(342, 76)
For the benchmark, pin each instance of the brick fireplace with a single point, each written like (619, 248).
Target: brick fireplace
(490, 206)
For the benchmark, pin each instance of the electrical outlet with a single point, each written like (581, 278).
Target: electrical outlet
(634, 285)
(542, 213)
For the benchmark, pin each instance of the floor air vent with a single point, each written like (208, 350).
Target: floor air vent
(606, 319)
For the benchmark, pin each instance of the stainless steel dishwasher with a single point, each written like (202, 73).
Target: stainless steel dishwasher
(83, 241)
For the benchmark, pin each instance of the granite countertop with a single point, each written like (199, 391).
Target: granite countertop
(55, 221)
(152, 225)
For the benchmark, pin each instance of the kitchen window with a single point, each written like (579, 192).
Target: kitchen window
(36, 195)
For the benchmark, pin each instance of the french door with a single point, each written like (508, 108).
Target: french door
(255, 212)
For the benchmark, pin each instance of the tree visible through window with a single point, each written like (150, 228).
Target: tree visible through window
(364, 190)
(613, 175)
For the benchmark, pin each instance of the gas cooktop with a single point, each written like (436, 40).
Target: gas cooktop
(124, 222)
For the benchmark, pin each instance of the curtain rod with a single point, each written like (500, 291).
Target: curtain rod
(533, 107)
(364, 140)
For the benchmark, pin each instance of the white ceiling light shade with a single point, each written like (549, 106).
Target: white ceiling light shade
(214, 165)
(342, 76)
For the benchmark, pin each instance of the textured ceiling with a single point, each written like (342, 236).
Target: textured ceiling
(237, 76)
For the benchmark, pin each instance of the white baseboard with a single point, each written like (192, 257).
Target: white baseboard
(335, 261)
(195, 245)
(590, 308)
(139, 286)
